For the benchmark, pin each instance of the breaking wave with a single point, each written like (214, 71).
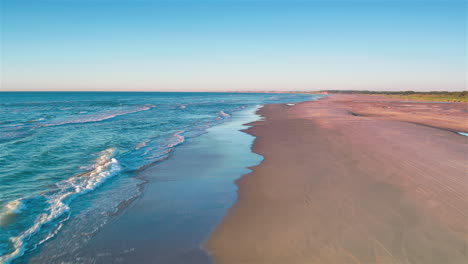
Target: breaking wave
(105, 166)
(222, 114)
(9, 209)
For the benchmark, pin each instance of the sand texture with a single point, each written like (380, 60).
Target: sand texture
(352, 179)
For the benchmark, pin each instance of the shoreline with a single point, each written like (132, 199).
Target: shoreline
(183, 199)
(140, 140)
(360, 181)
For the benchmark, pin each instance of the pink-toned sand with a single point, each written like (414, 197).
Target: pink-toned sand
(352, 179)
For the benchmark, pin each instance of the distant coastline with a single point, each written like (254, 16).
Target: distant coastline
(438, 96)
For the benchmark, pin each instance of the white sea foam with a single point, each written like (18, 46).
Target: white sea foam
(222, 114)
(255, 110)
(161, 151)
(9, 209)
(105, 166)
(176, 139)
(141, 144)
(14, 207)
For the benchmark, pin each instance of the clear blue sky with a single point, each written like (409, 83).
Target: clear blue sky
(233, 45)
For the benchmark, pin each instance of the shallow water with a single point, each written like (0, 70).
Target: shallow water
(72, 157)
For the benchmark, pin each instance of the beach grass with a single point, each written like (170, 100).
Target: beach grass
(435, 96)
(432, 97)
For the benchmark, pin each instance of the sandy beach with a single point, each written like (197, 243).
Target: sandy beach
(352, 179)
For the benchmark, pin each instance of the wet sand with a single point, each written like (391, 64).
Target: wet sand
(352, 179)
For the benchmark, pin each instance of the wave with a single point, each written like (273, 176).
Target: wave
(97, 117)
(58, 200)
(10, 209)
(156, 149)
(140, 145)
(222, 114)
(175, 139)
(148, 152)
(15, 131)
(105, 166)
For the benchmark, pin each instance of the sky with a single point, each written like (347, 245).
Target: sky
(227, 45)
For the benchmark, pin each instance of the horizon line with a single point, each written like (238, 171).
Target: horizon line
(272, 91)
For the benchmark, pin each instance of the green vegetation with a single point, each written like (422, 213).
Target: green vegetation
(411, 95)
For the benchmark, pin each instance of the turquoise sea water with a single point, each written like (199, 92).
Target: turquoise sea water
(56, 149)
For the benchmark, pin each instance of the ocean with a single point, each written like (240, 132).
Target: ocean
(70, 161)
